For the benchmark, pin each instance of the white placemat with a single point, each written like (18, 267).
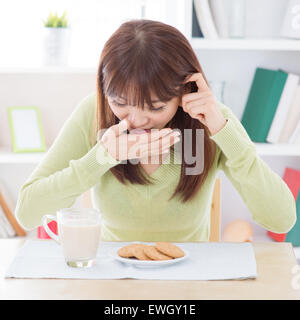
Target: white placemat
(207, 261)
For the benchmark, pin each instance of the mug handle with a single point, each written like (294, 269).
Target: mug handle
(45, 225)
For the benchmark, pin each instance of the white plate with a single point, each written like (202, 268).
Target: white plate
(146, 263)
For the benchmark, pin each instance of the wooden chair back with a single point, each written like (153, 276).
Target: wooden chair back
(215, 213)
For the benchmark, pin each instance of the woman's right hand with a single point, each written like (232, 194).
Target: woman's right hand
(123, 146)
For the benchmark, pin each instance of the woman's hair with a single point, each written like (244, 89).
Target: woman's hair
(144, 57)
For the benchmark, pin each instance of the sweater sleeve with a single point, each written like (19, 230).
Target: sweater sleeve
(267, 196)
(70, 167)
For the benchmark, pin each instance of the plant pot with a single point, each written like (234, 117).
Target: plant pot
(56, 45)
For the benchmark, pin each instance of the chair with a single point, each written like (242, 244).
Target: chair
(215, 212)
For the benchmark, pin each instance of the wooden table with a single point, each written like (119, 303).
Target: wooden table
(275, 262)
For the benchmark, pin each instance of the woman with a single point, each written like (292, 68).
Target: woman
(149, 78)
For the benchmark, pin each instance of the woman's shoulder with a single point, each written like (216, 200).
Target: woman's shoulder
(85, 108)
(84, 115)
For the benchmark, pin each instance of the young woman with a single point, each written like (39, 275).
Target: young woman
(149, 78)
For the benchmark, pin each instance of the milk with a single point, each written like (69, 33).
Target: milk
(79, 239)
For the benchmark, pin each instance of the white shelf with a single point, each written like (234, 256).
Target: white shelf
(10, 157)
(263, 149)
(269, 149)
(277, 44)
(48, 70)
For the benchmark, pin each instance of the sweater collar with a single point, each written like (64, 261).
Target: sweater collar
(169, 169)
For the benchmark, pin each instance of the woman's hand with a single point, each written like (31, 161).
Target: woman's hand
(123, 146)
(201, 105)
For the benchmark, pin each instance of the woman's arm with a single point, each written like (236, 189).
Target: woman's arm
(270, 201)
(70, 167)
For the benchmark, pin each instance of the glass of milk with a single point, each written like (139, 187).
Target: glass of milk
(78, 234)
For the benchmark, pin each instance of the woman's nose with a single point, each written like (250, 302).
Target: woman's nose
(138, 118)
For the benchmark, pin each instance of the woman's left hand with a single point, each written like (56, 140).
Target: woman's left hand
(201, 105)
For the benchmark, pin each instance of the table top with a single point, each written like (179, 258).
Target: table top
(277, 271)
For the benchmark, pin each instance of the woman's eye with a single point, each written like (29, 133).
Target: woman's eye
(124, 105)
(119, 104)
(158, 109)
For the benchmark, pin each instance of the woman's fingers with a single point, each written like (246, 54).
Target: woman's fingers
(154, 135)
(158, 146)
(151, 137)
(113, 132)
(166, 144)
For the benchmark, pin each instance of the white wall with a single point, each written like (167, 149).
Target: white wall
(55, 94)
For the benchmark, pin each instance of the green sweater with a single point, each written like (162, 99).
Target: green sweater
(142, 212)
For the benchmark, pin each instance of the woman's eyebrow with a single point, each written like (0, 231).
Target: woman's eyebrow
(153, 101)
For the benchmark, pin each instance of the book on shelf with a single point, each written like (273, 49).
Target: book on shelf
(283, 107)
(210, 19)
(271, 106)
(265, 92)
(293, 236)
(219, 15)
(4, 223)
(196, 30)
(295, 137)
(292, 178)
(205, 19)
(8, 207)
(292, 120)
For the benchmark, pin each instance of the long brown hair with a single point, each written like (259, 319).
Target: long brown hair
(143, 57)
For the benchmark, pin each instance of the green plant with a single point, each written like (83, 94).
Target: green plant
(54, 21)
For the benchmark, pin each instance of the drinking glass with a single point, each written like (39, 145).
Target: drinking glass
(78, 234)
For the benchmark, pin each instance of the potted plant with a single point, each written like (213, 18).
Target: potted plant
(56, 39)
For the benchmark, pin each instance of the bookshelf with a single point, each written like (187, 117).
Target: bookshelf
(235, 60)
(247, 44)
(234, 47)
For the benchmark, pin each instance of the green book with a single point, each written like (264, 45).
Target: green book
(262, 102)
(293, 235)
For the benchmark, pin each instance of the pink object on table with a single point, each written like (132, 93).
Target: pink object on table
(42, 234)
(292, 178)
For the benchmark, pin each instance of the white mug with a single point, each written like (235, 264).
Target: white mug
(78, 234)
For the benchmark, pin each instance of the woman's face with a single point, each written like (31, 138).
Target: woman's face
(155, 118)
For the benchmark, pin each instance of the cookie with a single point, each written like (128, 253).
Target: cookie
(126, 251)
(139, 253)
(154, 254)
(169, 249)
(134, 250)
